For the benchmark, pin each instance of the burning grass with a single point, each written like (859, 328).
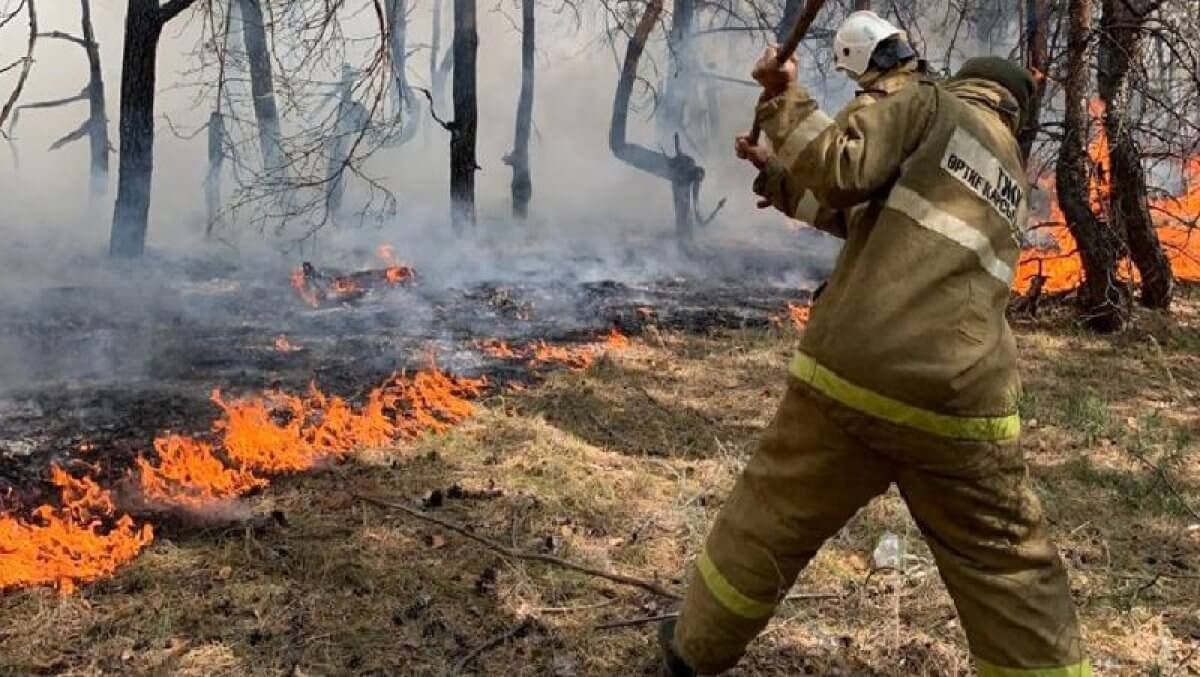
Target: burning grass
(623, 465)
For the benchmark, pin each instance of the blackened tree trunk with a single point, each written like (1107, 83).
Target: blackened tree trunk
(1121, 47)
(97, 123)
(1103, 296)
(407, 106)
(1037, 18)
(466, 110)
(262, 85)
(681, 170)
(522, 182)
(143, 27)
(681, 76)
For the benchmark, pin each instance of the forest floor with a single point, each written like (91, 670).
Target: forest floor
(621, 467)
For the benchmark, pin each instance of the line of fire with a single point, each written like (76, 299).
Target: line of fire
(425, 337)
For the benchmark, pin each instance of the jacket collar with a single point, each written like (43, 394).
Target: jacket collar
(991, 95)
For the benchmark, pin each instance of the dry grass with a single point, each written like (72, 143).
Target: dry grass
(623, 466)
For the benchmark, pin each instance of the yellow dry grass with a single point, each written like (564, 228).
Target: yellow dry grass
(622, 467)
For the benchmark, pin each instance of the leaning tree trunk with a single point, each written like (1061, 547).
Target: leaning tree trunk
(262, 85)
(1129, 206)
(406, 101)
(131, 213)
(681, 170)
(466, 110)
(1037, 18)
(522, 182)
(1103, 296)
(97, 123)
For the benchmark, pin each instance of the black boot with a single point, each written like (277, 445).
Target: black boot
(673, 665)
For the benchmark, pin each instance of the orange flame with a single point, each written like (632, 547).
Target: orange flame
(300, 284)
(1059, 262)
(398, 274)
(386, 252)
(283, 345)
(615, 339)
(68, 544)
(189, 474)
(795, 316)
(345, 285)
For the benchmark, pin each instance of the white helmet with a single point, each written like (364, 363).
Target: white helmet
(856, 40)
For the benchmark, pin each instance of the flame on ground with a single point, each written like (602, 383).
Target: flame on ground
(78, 541)
(1174, 216)
(794, 316)
(283, 345)
(306, 292)
(541, 354)
(86, 537)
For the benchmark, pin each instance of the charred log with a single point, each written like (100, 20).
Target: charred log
(1121, 47)
(518, 159)
(144, 21)
(1103, 296)
(466, 111)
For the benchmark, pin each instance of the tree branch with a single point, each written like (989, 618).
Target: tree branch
(59, 35)
(28, 64)
(172, 9)
(520, 554)
(76, 135)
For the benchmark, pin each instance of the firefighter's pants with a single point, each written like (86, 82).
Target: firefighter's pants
(817, 464)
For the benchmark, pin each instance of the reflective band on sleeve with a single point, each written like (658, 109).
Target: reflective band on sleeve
(730, 597)
(807, 208)
(1080, 669)
(979, 429)
(804, 133)
(928, 216)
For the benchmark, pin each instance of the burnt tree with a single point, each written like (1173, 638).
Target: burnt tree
(466, 111)
(144, 22)
(1103, 296)
(518, 159)
(1033, 43)
(95, 126)
(681, 75)
(262, 84)
(26, 62)
(407, 106)
(216, 162)
(1121, 45)
(353, 118)
(681, 169)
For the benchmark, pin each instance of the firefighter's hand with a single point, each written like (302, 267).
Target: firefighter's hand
(772, 75)
(755, 153)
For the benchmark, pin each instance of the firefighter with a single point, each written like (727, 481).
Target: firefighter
(878, 57)
(906, 374)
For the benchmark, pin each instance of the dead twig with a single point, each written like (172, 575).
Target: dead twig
(517, 631)
(633, 622)
(512, 553)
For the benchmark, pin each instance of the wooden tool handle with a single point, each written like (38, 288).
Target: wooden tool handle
(788, 48)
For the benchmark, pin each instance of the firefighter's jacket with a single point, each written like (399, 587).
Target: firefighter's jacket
(930, 190)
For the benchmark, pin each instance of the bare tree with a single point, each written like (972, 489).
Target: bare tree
(466, 111)
(1103, 295)
(518, 159)
(407, 107)
(1121, 47)
(262, 84)
(25, 63)
(144, 22)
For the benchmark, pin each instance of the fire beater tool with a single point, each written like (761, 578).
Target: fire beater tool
(788, 48)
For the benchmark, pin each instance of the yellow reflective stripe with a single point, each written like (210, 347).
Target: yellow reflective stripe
(977, 428)
(804, 133)
(929, 216)
(1080, 669)
(730, 597)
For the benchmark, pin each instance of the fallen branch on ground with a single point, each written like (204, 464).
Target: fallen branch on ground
(512, 553)
(494, 642)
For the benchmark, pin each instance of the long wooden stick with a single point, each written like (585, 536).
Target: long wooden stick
(521, 554)
(788, 48)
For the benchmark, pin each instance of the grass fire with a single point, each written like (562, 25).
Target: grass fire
(775, 337)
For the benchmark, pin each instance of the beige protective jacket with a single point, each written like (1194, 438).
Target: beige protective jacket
(911, 327)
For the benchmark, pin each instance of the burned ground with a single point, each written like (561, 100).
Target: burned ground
(621, 467)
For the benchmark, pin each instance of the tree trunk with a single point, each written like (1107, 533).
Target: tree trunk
(1103, 296)
(1037, 20)
(1129, 206)
(680, 81)
(681, 170)
(216, 160)
(97, 116)
(522, 182)
(143, 27)
(26, 63)
(262, 85)
(439, 66)
(407, 105)
(466, 110)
